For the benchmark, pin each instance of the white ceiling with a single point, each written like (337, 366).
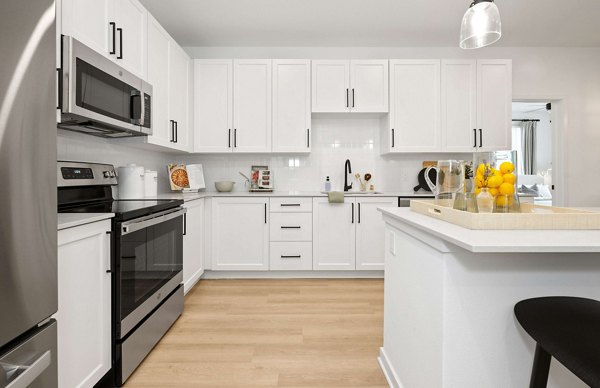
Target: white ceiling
(370, 22)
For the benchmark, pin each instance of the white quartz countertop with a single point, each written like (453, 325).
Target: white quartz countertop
(70, 220)
(208, 194)
(500, 241)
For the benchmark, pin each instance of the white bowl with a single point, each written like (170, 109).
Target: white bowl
(224, 186)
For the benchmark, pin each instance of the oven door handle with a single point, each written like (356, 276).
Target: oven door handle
(133, 226)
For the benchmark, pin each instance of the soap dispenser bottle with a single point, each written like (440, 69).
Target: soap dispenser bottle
(327, 185)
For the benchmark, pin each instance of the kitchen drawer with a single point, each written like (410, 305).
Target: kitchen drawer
(291, 205)
(290, 256)
(291, 226)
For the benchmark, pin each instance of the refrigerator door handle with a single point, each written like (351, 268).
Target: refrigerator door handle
(28, 372)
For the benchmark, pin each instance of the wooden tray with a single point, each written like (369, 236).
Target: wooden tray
(531, 217)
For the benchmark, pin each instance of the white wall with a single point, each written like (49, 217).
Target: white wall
(570, 74)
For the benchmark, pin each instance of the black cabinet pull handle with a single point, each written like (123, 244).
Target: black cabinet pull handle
(474, 138)
(172, 140)
(176, 132)
(393, 138)
(120, 43)
(353, 97)
(265, 213)
(290, 204)
(184, 224)
(352, 212)
(110, 269)
(59, 89)
(480, 138)
(114, 37)
(291, 256)
(291, 227)
(229, 139)
(307, 137)
(359, 213)
(347, 103)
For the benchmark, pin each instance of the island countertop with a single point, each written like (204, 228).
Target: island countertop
(499, 241)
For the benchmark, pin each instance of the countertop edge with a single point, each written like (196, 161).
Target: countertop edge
(71, 220)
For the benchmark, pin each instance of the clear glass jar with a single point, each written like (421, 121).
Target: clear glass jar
(497, 172)
(485, 201)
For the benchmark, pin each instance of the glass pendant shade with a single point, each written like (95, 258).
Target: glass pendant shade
(480, 26)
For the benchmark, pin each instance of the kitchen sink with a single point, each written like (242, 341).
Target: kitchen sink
(358, 192)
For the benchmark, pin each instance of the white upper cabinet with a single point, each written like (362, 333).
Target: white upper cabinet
(370, 236)
(369, 86)
(240, 234)
(330, 86)
(414, 107)
(291, 105)
(130, 18)
(213, 105)
(350, 86)
(159, 43)
(459, 105)
(494, 104)
(334, 228)
(252, 105)
(179, 84)
(89, 22)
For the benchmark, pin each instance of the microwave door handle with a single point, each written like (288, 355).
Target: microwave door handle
(142, 110)
(133, 226)
(135, 94)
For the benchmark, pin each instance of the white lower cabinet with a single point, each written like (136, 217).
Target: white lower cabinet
(291, 256)
(334, 230)
(370, 238)
(193, 247)
(84, 304)
(240, 234)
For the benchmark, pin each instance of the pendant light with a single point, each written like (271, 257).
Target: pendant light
(481, 25)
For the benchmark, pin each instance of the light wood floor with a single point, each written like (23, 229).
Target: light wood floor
(272, 333)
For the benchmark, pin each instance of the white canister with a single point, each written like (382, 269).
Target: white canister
(131, 182)
(150, 183)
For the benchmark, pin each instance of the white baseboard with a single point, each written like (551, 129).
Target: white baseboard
(293, 275)
(389, 373)
(187, 286)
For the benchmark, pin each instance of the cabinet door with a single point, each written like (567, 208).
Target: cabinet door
(240, 234)
(179, 71)
(213, 105)
(334, 226)
(89, 22)
(459, 105)
(193, 243)
(330, 86)
(291, 105)
(494, 104)
(369, 86)
(130, 17)
(415, 106)
(159, 43)
(84, 304)
(370, 237)
(252, 105)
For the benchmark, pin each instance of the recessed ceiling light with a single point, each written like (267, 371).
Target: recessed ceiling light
(481, 25)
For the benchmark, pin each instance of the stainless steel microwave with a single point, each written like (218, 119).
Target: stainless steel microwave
(98, 97)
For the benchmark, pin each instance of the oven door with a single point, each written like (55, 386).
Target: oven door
(149, 263)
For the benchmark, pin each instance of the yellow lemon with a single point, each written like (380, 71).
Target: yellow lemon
(477, 190)
(483, 168)
(495, 181)
(501, 201)
(480, 181)
(507, 168)
(493, 191)
(506, 189)
(509, 178)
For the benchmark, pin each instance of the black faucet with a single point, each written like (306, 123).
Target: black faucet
(347, 170)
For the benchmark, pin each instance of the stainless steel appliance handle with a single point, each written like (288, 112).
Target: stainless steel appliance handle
(29, 372)
(142, 109)
(133, 226)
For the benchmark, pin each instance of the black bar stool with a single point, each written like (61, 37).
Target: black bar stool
(567, 329)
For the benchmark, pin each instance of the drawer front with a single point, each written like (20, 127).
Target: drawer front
(291, 226)
(291, 205)
(290, 256)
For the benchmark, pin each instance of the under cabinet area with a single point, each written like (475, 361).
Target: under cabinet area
(84, 304)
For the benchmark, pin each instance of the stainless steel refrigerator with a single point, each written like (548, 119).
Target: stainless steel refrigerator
(28, 247)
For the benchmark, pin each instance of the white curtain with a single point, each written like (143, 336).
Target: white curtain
(528, 146)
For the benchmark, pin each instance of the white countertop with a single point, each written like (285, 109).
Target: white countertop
(207, 194)
(500, 241)
(69, 220)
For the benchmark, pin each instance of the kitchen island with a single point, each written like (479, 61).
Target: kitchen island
(450, 293)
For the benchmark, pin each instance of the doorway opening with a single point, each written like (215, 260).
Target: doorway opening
(533, 137)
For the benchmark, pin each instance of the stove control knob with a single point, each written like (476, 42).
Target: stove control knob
(106, 174)
(113, 174)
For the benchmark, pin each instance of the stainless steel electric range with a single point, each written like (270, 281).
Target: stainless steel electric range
(146, 258)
